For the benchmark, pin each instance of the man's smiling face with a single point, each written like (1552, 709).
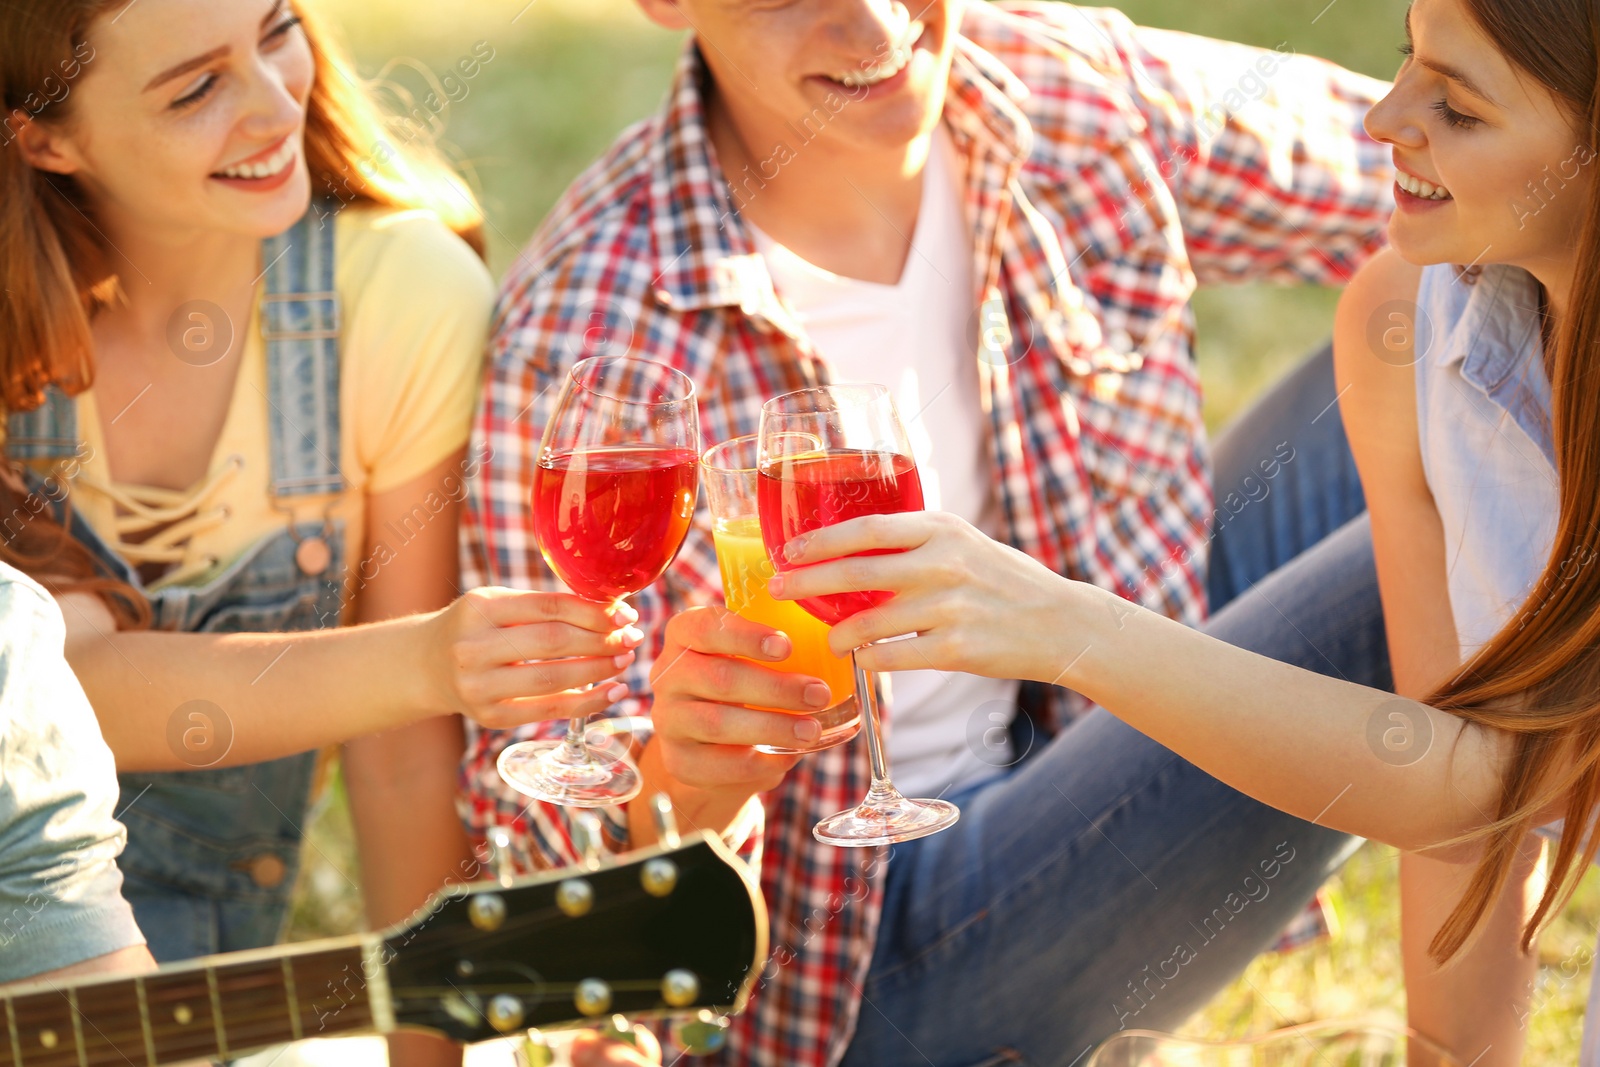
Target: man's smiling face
(866, 74)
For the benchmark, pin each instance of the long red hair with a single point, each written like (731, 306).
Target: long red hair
(56, 266)
(1538, 679)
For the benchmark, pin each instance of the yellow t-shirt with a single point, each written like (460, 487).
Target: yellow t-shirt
(415, 303)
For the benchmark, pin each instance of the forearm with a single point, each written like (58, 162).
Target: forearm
(1477, 1005)
(1296, 740)
(278, 693)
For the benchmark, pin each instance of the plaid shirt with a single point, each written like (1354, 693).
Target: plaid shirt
(1109, 170)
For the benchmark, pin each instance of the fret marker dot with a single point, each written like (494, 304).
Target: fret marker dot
(47, 1038)
(183, 1015)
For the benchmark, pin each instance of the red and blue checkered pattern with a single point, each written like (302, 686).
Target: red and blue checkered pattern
(1109, 170)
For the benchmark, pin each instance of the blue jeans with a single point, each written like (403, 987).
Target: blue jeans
(1103, 883)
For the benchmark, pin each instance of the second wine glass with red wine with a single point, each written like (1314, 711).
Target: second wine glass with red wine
(613, 496)
(829, 454)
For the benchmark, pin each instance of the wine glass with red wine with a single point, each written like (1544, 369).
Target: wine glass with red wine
(829, 454)
(613, 495)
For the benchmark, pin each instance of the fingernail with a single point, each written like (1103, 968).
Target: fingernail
(818, 695)
(616, 691)
(807, 729)
(775, 646)
(632, 635)
(775, 586)
(796, 546)
(622, 660)
(623, 615)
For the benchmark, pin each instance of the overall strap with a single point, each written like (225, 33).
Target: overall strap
(300, 325)
(50, 431)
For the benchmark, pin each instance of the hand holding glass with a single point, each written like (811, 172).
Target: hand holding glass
(829, 454)
(730, 475)
(613, 495)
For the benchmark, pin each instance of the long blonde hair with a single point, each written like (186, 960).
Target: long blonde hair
(55, 263)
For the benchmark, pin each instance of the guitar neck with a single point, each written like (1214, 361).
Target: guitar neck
(204, 1009)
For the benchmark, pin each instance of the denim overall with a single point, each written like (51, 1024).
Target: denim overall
(213, 853)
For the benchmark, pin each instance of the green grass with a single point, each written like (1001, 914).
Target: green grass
(567, 75)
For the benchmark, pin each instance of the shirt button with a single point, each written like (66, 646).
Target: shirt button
(268, 870)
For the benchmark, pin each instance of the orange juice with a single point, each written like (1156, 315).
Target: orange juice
(742, 557)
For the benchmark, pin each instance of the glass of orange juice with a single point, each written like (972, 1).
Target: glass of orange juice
(729, 474)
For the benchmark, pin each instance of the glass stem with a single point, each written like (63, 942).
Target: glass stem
(575, 751)
(867, 698)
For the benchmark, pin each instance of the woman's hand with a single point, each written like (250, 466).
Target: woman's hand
(975, 604)
(504, 657)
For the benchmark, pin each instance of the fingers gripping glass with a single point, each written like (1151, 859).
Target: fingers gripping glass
(826, 455)
(613, 494)
(729, 473)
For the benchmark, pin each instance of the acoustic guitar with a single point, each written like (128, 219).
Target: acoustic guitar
(672, 930)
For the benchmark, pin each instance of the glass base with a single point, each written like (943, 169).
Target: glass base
(884, 818)
(546, 770)
(840, 723)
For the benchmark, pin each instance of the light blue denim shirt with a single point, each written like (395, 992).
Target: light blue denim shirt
(1483, 421)
(60, 890)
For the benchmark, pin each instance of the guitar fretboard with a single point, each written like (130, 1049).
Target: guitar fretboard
(197, 1011)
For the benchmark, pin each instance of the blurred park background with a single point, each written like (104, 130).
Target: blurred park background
(565, 76)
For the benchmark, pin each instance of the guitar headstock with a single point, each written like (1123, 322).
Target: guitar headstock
(668, 931)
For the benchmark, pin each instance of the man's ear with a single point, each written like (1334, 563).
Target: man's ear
(45, 147)
(665, 13)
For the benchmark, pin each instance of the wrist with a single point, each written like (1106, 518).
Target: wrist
(427, 690)
(714, 810)
(1085, 618)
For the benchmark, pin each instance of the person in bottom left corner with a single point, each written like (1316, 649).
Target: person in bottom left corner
(240, 348)
(62, 913)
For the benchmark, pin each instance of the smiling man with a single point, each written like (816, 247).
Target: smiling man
(1000, 212)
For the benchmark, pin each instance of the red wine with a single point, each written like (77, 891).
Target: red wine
(610, 520)
(807, 492)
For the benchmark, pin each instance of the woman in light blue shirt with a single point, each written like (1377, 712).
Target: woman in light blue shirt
(1467, 362)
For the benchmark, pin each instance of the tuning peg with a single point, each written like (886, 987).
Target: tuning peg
(666, 820)
(587, 836)
(659, 876)
(618, 1028)
(534, 1051)
(500, 859)
(702, 1033)
(504, 1013)
(592, 997)
(680, 987)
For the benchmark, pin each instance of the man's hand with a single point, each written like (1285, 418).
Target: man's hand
(702, 753)
(706, 737)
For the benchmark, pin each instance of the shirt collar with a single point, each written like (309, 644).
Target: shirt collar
(1497, 328)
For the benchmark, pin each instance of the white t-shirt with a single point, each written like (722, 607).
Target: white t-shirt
(913, 337)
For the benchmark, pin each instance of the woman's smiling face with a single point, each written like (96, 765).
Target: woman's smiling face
(1491, 168)
(190, 117)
